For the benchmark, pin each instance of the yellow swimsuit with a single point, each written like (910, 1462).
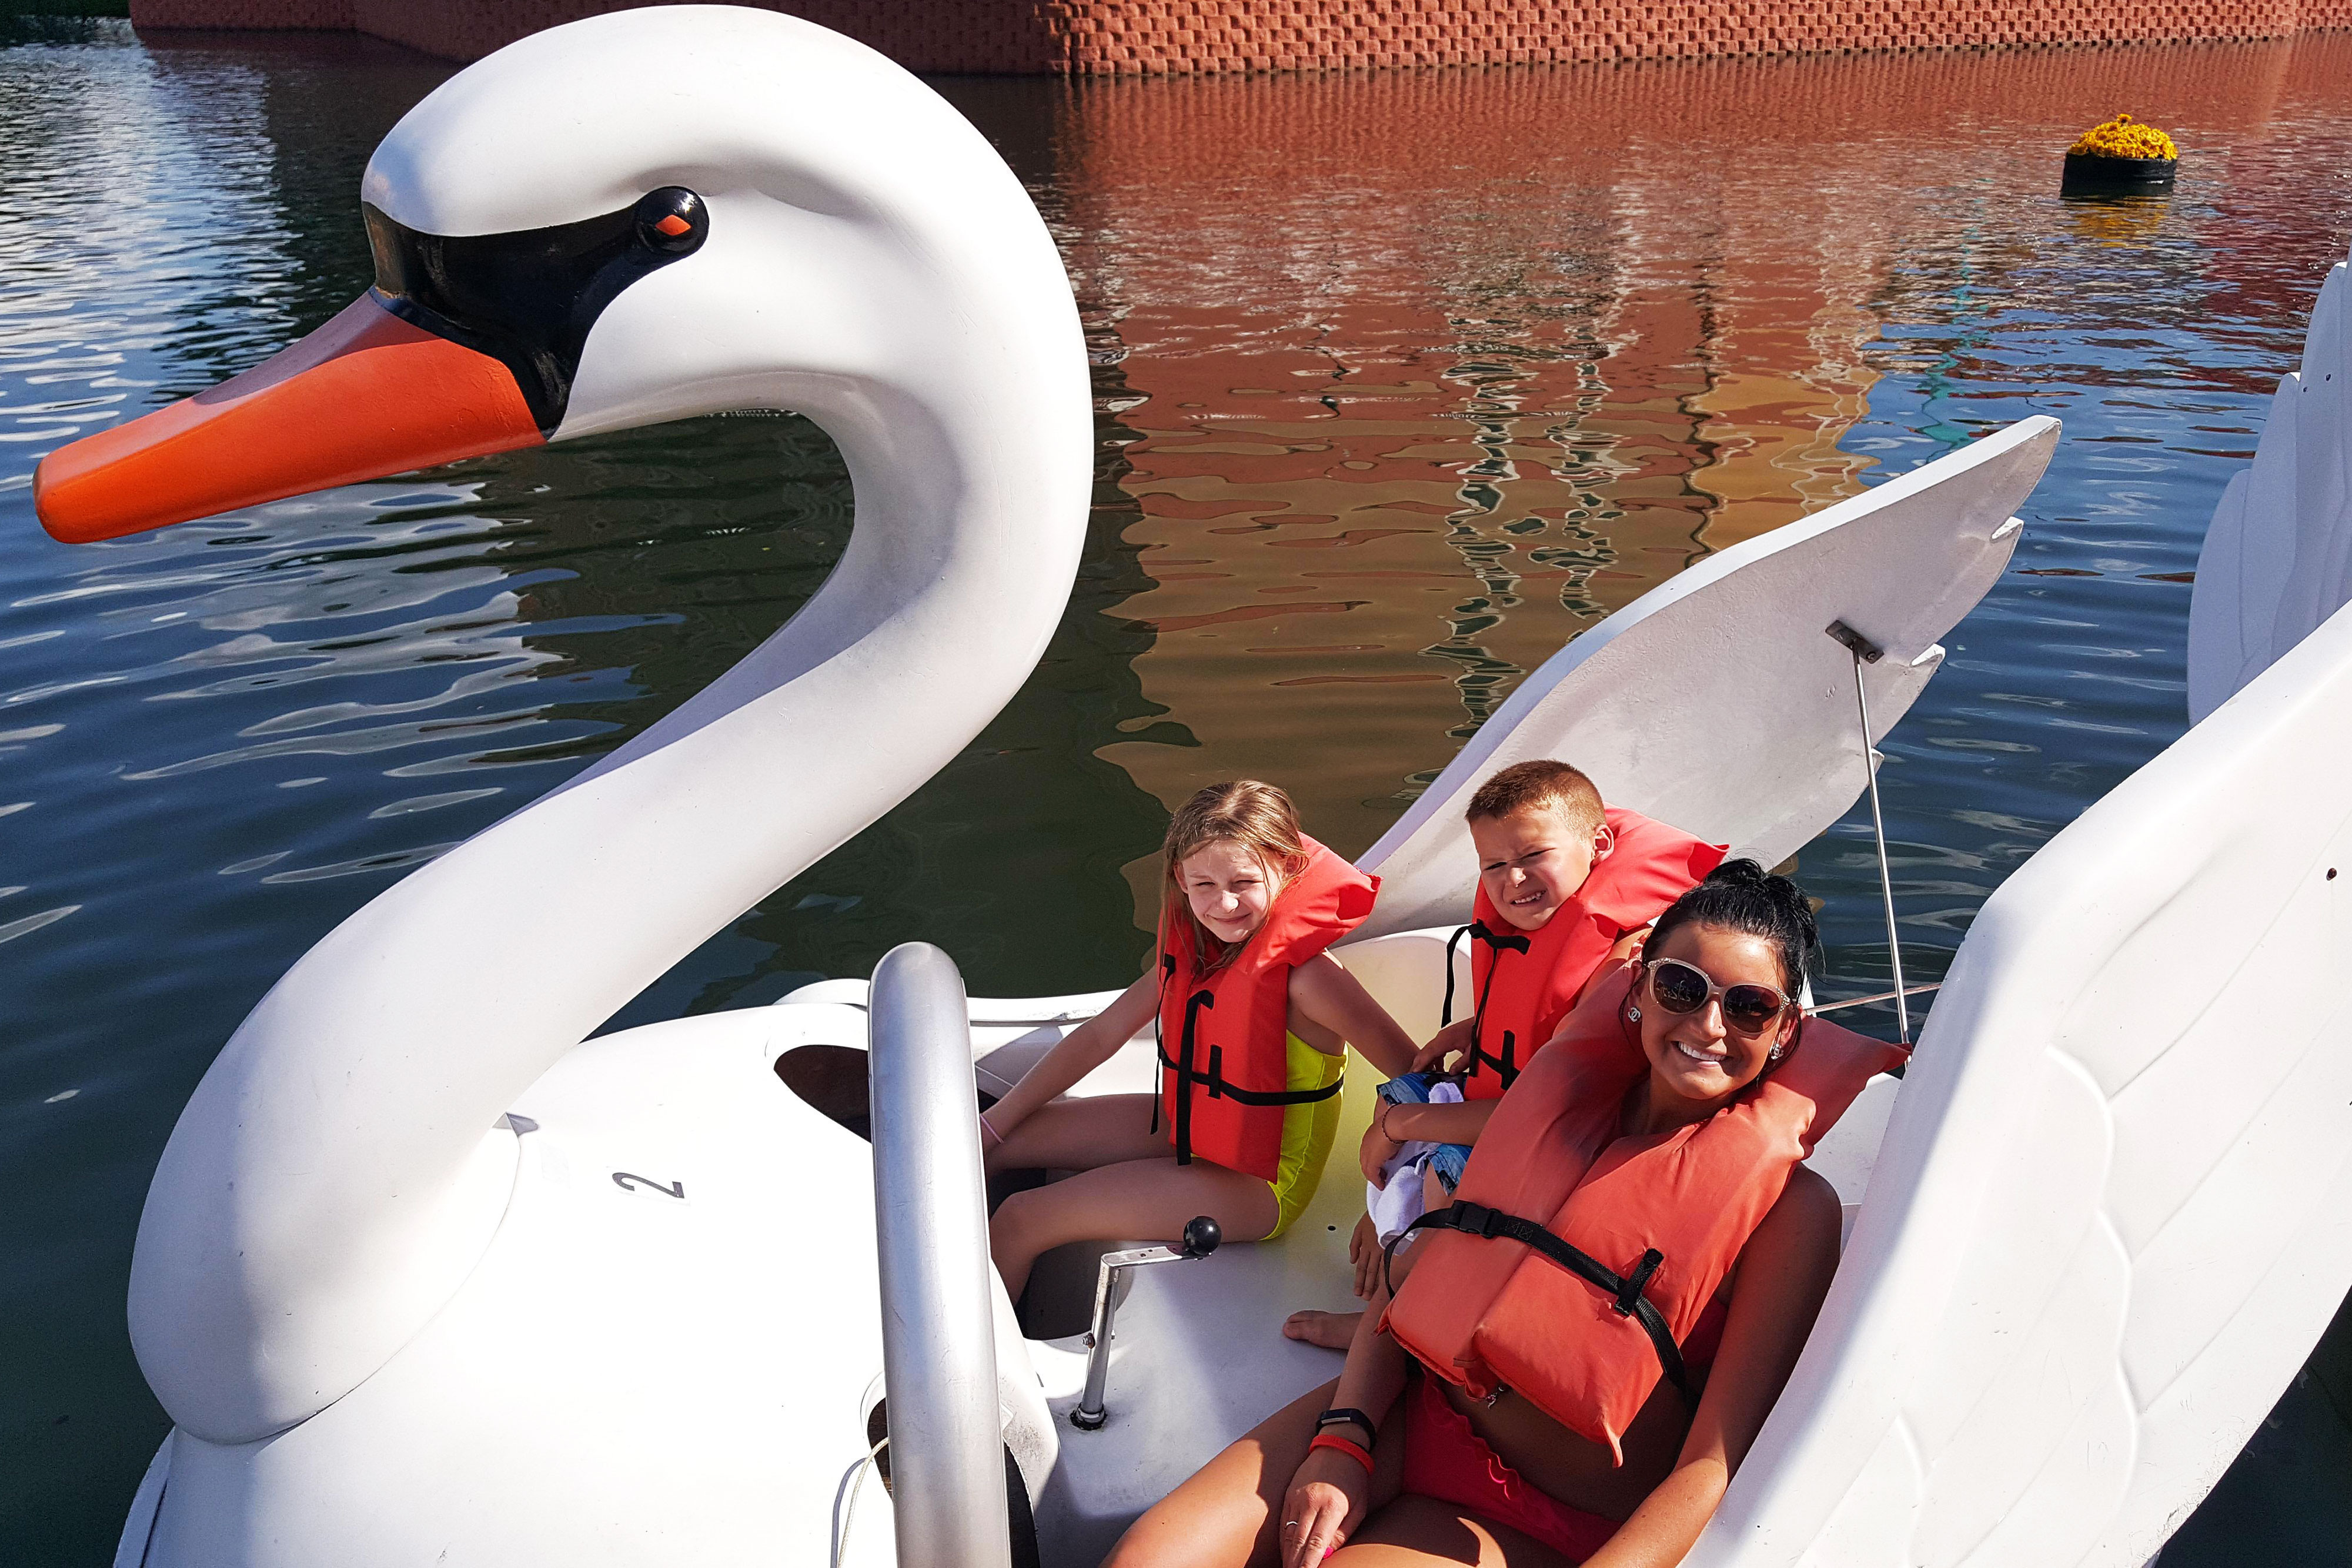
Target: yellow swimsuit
(1306, 1129)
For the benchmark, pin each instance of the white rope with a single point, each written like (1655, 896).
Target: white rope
(853, 1481)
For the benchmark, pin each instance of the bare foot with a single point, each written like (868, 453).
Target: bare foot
(1332, 1331)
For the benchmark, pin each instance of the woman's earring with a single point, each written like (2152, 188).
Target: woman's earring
(1776, 1054)
(1633, 1015)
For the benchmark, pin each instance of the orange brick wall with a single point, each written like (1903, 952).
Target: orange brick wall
(1123, 37)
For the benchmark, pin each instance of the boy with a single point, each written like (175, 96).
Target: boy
(1566, 889)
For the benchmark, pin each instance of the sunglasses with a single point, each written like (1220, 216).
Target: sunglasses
(1681, 988)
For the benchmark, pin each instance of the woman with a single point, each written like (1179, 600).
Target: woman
(1502, 1408)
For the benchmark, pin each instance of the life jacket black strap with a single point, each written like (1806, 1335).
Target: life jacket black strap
(1501, 942)
(1445, 1009)
(1193, 1005)
(1159, 1006)
(1219, 1088)
(1506, 1066)
(1184, 1069)
(1625, 1291)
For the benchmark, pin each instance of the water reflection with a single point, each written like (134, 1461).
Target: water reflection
(1441, 367)
(1403, 380)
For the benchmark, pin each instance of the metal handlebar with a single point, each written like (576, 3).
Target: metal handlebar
(1202, 1235)
(930, 1225)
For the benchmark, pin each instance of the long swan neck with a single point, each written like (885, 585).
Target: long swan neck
(321, 1196)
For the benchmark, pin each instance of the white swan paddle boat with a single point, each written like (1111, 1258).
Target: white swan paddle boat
(422, 1279)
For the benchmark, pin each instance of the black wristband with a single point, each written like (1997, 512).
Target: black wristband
(1341, 1416)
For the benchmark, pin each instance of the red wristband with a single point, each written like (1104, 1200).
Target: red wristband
(1354, 1450)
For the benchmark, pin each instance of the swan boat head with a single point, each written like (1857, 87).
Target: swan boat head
(644, 216)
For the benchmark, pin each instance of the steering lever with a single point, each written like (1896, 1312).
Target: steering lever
(1202, 1235)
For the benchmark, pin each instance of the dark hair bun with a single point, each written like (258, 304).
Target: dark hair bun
(1741, 895)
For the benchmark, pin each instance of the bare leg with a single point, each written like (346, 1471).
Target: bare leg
(1079, 1134)
(1225, 1516)
(1419, 1532)
(1403, 1529)
(1145, 1198)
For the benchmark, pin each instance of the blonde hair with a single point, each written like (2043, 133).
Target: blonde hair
(1542, 785)
(1259, 818)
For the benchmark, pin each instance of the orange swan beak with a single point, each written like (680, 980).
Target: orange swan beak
(365, 395)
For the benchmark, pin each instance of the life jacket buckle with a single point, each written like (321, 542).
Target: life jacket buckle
(1474, 1220)
(1630, 1291)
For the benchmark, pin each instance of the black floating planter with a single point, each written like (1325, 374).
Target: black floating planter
(2088, 173)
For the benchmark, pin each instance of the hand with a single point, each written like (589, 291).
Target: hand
(1378, 1147)
(1364, 1252)
(1325, 1503)
(1433, 1055)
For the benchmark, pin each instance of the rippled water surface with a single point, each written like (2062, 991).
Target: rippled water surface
(1403, 380)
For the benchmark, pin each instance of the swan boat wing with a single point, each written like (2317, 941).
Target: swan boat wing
(2113, 1207)
(1729, 659)
(2277, 560)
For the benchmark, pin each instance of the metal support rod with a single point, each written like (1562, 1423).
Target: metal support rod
(1865, 651)
(931, 1222)
(1201, 1238)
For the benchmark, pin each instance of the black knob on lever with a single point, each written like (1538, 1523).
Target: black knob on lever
(1202, 1236)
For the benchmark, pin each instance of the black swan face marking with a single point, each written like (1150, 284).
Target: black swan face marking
(527, 299)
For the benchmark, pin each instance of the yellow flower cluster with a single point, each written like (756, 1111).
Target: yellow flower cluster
(2123, 137)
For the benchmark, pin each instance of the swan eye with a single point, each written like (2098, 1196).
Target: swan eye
(527, 298)
(672, 221)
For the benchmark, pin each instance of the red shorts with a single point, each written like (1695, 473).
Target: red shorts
(1444, 1459)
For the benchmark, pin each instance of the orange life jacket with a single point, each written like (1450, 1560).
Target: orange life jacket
(1224, 1078)
(1574, 1261)
(1526, 981)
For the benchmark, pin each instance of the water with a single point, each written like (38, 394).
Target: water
(1403, 380)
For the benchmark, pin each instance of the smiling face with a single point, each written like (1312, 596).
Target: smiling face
(1228, 889)
(1696, 1063)
(1531, 861)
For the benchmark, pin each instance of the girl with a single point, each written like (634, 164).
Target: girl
(1254, 1020)
(1520, 1401)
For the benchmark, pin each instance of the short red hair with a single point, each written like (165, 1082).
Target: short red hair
(1542, 785)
